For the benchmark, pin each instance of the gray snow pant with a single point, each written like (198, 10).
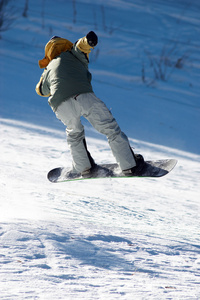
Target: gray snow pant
(96, 112)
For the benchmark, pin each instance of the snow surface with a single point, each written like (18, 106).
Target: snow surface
(108, 238)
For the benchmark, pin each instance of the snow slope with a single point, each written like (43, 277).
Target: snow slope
(112, 238)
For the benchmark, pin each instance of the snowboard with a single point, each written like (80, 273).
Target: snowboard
(151, 168)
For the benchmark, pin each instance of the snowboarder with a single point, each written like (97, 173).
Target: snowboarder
(66, 80)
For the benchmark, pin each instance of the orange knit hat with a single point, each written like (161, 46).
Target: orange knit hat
(53, 48)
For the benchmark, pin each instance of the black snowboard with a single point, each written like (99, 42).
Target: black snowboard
(153, 168)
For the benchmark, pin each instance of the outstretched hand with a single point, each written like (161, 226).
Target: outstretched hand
(92, 38)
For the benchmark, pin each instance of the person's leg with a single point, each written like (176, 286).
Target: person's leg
(96, 112)
(69, 113)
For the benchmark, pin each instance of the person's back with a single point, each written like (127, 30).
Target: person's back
(67, 76)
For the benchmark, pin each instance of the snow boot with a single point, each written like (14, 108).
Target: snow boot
(140, 163)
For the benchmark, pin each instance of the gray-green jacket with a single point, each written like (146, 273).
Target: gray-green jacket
(65, 76)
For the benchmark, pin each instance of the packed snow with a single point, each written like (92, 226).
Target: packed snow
(132, 238)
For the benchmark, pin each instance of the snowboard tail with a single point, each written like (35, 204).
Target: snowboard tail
(152, 168)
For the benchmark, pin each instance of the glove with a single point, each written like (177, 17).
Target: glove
(92, 39)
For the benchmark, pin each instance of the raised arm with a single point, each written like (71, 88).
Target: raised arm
(83, 46)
